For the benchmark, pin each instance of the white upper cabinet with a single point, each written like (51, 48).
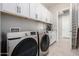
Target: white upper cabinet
(33, 13)
(9, 7)
(23, 9)
(44, 14)
(49, 17)
(39, 11)
(16, 8)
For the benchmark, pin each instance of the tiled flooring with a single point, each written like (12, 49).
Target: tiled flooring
(62, 48)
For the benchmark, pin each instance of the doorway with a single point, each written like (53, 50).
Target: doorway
(65, 28)
(64, 25)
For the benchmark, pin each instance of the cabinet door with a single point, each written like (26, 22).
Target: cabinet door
(33, 13)
(39, 11)
(44, 13)
(9, 7)
(48, 17)
(23, 9)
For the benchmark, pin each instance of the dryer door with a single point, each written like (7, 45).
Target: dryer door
(27, 47)
(44, 43)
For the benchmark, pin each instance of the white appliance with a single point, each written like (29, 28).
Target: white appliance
(43, 43)
(52, 36)
(22, 43)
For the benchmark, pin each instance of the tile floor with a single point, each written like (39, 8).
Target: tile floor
(62, 48)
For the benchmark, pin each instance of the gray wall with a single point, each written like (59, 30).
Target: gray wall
(9, 21)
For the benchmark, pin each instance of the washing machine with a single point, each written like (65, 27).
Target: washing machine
(22, 43)
(43, 42)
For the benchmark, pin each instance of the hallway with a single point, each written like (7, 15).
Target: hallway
(62, 48)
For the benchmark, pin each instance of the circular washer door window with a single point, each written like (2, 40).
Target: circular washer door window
(27, 47)
(44, 43)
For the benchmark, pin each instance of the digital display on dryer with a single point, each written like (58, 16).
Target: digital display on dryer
(33, 33)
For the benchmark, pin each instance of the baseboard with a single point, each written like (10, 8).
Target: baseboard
(52, 43)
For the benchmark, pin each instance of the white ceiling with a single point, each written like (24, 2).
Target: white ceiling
(51, 5)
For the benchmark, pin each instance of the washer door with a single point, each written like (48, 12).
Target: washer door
(44, 43)
(27, 47)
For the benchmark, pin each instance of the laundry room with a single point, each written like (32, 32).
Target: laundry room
(15, 25)
(9, 22)
(39, 29)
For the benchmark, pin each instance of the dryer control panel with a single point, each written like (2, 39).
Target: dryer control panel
(33, 33)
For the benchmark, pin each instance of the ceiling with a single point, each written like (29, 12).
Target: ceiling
(50, 5)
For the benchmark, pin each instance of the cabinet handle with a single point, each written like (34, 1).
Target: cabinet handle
(18, 9)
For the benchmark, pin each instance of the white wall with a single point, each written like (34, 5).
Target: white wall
(55, 9)
(9, 21)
